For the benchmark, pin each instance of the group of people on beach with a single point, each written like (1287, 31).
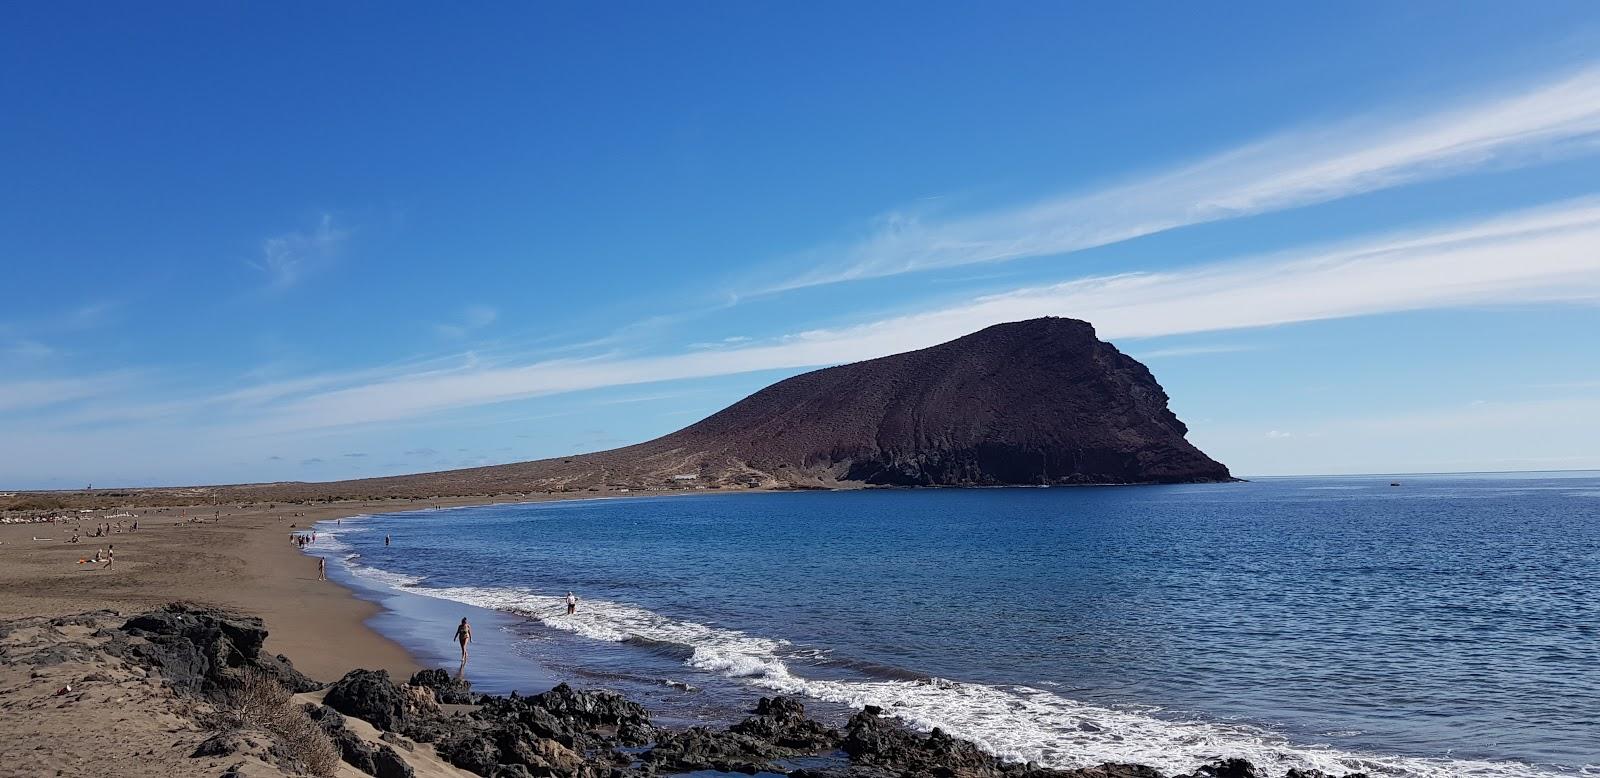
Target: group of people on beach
(464, 630)
(103, 557)
(102, 530)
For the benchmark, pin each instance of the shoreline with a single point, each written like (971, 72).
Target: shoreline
(1316, 748)
(243, 561)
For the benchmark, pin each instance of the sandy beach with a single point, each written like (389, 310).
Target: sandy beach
(241, 559)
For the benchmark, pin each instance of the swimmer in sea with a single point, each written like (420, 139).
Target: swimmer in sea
(572, 604)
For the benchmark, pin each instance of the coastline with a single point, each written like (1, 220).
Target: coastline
(245, 563)
(242, 561)
(236, 557)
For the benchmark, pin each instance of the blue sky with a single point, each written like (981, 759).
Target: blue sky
(305, 242)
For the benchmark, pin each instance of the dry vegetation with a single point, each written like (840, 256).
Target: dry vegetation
(261, 703)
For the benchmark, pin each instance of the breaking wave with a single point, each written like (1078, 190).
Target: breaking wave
(1017, 722)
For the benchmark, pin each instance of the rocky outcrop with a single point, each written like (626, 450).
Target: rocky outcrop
(549, 733)
(369, 695)
(206, 650)
(447, 690)
(778, 730)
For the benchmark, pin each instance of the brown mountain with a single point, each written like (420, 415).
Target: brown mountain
(1033, 402)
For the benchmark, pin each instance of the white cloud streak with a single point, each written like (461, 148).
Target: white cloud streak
(1191, 351)
(41, 393)
(1540, 256)
(287, 258)
(1537, 123)
(474, 317)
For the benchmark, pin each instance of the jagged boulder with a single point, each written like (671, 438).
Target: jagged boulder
(205, 650)
(701, 748)
(387, 763)
(369, 695)
(873, 740)
(782, 721)
(448, 690)
(1228, 768)
(353, 750)
(471, 750)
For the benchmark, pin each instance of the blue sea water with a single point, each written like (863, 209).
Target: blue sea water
(1449, 625)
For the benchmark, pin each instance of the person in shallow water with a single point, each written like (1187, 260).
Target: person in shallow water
(464, 636)
(572, 603)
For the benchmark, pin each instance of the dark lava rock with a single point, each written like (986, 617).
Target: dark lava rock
(874, 742)
(782, 721)
(1228, 768)
(369, 695)
(388, 764)
(472, 751)
(225, 744)
(590, 708)
(1108, 770)
(202, 649)
(448, 690)
(582, 720)
(353, 750)
(701, 748)
(779, 729)
(547, 734)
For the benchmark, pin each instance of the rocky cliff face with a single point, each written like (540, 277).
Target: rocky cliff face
(1034, 402)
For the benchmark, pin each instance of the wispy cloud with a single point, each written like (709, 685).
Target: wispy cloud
(1537, 256)
(1192, 351)
(474, 317)
(40, 393)
(1542, 255)
(32, 339)
(28, 348)
(287, 258)
(1303, 167)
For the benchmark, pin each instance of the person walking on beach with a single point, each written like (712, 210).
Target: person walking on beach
(111, 556)
(572, 603)
(464, 636)
(322, 568)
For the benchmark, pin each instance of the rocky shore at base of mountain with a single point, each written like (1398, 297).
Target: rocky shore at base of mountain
(245, 712)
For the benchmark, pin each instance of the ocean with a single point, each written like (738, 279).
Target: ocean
(1444, 626)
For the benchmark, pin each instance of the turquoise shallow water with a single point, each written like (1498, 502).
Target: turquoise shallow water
(1446, 626)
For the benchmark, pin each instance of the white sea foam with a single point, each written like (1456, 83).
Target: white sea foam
(1015, 722)
(330, 543)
